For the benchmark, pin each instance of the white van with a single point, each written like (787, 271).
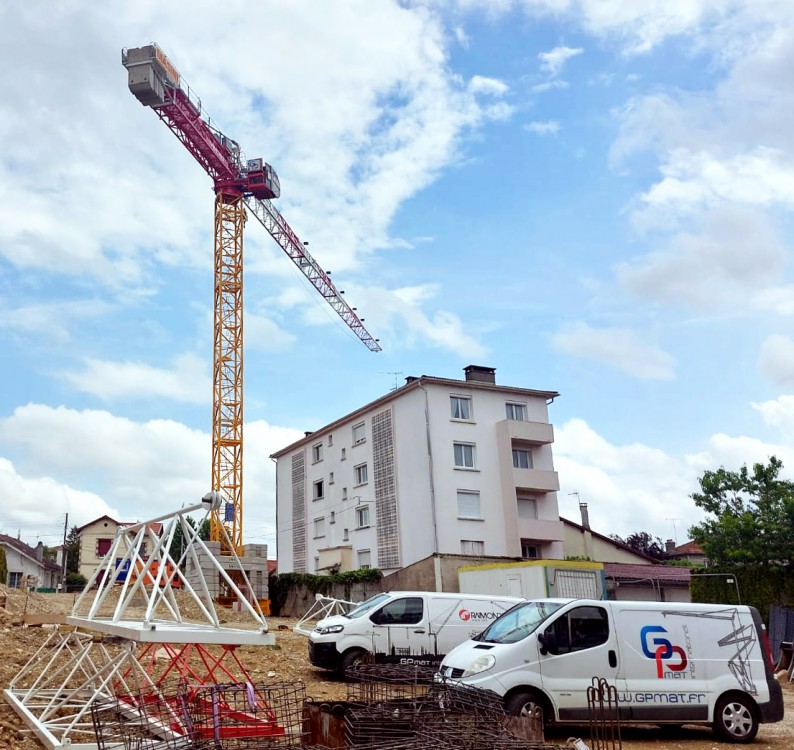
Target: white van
(404, 627)
(670, 663)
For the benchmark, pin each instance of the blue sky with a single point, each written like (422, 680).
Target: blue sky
(591, 196)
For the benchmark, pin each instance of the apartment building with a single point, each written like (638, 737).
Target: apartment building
(435, 466)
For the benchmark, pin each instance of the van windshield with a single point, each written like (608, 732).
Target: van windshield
(519, 622)
(367, 606)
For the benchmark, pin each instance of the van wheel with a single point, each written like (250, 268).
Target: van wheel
(350, 660)
(528, 704)
(736, 718)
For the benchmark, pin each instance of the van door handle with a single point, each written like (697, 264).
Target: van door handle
(613, 658)
(421, 630)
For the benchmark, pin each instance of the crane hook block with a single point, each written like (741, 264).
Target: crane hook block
(149, 73)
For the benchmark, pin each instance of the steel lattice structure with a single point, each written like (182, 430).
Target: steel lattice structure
(238, 184)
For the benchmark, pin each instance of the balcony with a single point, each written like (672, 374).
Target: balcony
(528, 432)
(541, 531)
(536, 480)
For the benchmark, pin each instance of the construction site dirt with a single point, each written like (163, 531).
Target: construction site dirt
(287, 661)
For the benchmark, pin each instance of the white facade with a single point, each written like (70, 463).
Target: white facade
(436, 466)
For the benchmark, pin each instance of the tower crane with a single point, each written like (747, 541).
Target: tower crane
(239, 183)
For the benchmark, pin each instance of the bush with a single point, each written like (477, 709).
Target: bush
(75, 582)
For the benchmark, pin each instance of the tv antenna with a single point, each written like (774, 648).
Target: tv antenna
(396, 374)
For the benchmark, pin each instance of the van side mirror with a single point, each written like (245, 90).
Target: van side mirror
(548, 642)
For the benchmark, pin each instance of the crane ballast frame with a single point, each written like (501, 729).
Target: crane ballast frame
(238, 183)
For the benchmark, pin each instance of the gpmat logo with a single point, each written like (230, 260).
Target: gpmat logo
(662, 651)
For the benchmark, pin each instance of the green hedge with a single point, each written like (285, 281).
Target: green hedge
(279, 585)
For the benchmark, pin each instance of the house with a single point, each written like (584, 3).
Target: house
(27, 567)
(437, 466)
(689, 552)
(96, 538)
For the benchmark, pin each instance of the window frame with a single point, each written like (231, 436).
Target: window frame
(464, 446)
(453, 398)
(318, 484)
(359, 553)
(363, 427)
(512, 406)
(472, 494)
(318, 528)
(472, 552)
(517, 452)
(363, 514)
(527, 544)
(317, 453)
(358, 471)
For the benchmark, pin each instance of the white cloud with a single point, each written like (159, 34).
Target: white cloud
(736, 252)
(547, 127)
(36, 506)
(490, 86)
(619, 347)
(779, 414)
(776, 361)
(553, 61)
(139, 469)
(539, 88)
(187, 381)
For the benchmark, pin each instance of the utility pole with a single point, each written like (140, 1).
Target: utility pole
(63, 554)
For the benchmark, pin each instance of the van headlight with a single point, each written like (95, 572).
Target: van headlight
(328, 629)
(480, 664)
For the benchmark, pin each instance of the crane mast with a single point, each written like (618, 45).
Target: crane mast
(238, 184)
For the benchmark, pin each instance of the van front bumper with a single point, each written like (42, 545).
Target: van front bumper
(323, 655)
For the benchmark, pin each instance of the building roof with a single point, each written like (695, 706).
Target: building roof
(96, 520)
(155, 527)
(630, 571)
(688, 548)
(27, 550)
(413, 383)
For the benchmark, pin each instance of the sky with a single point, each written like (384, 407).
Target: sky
(592, 196)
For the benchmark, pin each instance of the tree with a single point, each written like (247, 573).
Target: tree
(751, 515)
(72, 550)
(643, 542)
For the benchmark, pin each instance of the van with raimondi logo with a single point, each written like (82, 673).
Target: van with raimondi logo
(403, 627)
(669, 663)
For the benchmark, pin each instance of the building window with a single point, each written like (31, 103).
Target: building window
(319, 490)
(344, 455)
(472, 547)
(517, 412)
(317, 564)
(522, 458)
(330, 440)
(527, 508)
(344, 493)
(364, 558)
(331, 478)
(464, 455)
(460, 407)
(333, 517)
(360, 474)
(103, 547)
(14, 580)
(529, 550)
(319, 527)
(317, 453)
(346, 535)
(359, 433)
(469, 504)
(362, 517)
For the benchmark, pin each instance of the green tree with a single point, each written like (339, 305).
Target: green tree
(72, 550)
(643, 542)
(3, 566)
(751, 514)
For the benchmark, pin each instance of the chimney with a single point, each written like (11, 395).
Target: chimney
(40, 551)
(669, 546)
(476, 373)
(585, 515)
(411, 379)
(308, 433)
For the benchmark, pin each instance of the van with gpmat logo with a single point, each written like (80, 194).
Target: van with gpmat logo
(403, 627)
(669, 663)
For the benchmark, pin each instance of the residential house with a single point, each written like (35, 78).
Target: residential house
(437, 466)
(690, 553)
(27, 567)
(96, 539)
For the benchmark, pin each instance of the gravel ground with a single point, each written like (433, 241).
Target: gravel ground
(287, 661)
